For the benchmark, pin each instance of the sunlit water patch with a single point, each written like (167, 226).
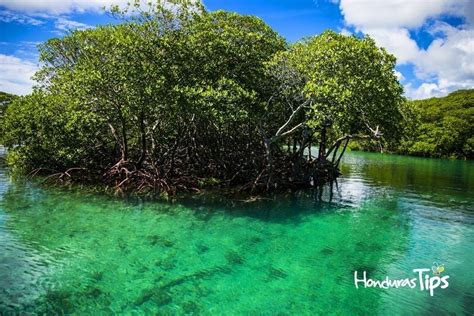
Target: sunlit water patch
(75, 252)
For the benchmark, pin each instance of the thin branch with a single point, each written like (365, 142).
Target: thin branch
(291, 118)
(291, 130)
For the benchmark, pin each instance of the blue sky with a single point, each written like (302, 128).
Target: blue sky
(433, 40)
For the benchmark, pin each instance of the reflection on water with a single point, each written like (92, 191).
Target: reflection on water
(76, 252)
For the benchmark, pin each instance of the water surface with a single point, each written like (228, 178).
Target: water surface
(68, 251)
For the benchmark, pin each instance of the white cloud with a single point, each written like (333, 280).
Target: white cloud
(58, 7)
(9, 17)
(429, 90)
(397, 41)
(446, 64)
(399, 76)
(61, 23)
(346, 32)
(424, 91)
(394, 13)
(450, 57)
(16, 74)
(65, 24)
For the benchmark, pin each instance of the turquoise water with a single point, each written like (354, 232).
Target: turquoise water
(71, 252)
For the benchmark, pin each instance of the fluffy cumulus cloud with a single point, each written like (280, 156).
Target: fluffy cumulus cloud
(393, 13)
(446, 64)
(451, 56)
(16, 74)
(395, 40)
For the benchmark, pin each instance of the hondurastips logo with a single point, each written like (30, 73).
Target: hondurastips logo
(423, 279)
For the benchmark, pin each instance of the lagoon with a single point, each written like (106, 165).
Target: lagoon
(69, 251)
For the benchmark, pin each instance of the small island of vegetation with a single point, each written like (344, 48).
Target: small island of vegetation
(176, 98)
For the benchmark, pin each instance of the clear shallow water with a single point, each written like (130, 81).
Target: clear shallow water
(73, 252)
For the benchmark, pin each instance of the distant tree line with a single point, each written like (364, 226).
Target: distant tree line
(436, 127)
(176, 98)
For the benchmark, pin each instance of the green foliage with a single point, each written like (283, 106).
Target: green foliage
(43, 130)
(444, 127)
(174, 92)
(349, 83)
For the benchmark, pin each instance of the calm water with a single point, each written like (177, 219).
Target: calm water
(72, 252)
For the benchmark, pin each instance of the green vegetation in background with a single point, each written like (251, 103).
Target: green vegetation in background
(445, 127)
(174, 98)
(437, 127)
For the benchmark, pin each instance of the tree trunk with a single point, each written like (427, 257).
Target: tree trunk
(124, 141)
(117, 139)
(335, 152)
(268, 152)
(342, 153)
(322, 144)
(143, 140)
(309, 148)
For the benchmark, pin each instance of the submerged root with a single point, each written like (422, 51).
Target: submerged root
(70, 175)
(302, 174)
(126, 177)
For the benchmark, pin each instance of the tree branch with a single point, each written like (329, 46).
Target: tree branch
(290, 119)
(291, 130)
